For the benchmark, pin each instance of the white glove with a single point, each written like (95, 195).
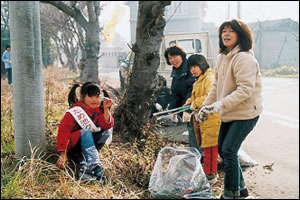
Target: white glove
(9, 62)
(213, 108)
(174, 118)
(158, 107)
(192, 108)
(109, 139)
(186, 117)
(201, 116)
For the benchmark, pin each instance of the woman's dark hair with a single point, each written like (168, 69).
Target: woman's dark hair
(174, 51)
(245, 37)
(198, 60)
(7, 46)
(88, 88)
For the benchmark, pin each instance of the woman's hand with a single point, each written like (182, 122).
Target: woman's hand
(62, 159)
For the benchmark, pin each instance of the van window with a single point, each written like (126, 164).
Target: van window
(187, 45)
(198, 46)
(172, 43)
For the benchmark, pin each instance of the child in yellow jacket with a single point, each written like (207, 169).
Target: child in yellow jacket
(205, 133)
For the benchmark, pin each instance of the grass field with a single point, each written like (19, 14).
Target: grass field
(128, 166)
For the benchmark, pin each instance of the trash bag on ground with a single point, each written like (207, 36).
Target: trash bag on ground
(178, 174)
(245, 160)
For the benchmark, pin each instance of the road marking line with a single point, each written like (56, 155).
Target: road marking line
(283, 120)
(291, 125)
(294, 120)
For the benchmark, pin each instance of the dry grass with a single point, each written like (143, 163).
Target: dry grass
(128, 166)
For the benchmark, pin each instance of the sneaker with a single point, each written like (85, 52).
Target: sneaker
(244, 193)
(212, 178)
(95, 174)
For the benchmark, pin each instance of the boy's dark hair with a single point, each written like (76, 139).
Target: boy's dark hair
(174, 51)
(7, 46)
(162, 80)
(198, 60)
(245, 37)
(88, 88)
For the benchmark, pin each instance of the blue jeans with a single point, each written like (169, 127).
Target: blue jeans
(231, 136)
(9, 75)
(192, 138)
(91, 144)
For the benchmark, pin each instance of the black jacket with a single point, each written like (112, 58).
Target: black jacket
(182, 85)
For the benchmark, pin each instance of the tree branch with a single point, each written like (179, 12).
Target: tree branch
(73, 12)
(91, 11)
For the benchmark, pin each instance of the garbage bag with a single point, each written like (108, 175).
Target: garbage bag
(245, 160)
(178, 174)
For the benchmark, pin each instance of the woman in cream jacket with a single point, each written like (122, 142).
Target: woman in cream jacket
(236, 95)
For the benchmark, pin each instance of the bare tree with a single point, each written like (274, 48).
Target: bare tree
(134, 110)
(4, 15)
(61, 29)
(28, 99)
(92, 30)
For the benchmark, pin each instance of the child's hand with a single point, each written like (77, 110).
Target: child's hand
(107, 103)
(61, 160)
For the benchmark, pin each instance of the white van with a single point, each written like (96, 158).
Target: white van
(192, 43)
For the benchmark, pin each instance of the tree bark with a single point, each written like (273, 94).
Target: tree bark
(134, 110)
(92, 30)
(28, 93)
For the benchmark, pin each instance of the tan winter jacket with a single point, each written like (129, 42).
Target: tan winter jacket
(207, 132)
(237, 84)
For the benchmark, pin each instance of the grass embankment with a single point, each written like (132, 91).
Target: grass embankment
(128, 166)
(283, 71)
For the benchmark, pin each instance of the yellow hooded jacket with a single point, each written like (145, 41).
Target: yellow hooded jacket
(207, 132)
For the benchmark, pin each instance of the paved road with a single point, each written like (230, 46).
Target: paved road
(275, 139)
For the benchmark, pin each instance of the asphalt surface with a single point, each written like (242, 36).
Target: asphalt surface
(274, 142)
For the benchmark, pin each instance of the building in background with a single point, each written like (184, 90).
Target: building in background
(276, 42)
(110, 55)
(181, 17)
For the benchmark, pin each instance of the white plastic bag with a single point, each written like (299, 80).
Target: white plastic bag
(186, 116)
(178, 174)
(109, 139)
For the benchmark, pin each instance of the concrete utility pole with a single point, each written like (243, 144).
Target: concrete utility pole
(28, 91)
(239, 9)
(228, 11)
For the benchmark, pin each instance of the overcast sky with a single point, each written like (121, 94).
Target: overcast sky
(251, 11)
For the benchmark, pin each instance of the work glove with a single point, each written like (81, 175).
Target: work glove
(213, 108)
(186, 117)
(174, 118)
(192, 107)
(201, 116)
(158, 107)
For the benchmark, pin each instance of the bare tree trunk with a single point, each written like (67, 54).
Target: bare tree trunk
(134, 110)
(92, 31)
(92, 50)
(28, 93)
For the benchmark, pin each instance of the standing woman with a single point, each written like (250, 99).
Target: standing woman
(182, 78)
(236, 95)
